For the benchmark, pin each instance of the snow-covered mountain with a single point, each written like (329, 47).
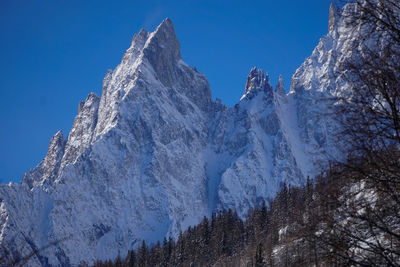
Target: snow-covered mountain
(155, 153)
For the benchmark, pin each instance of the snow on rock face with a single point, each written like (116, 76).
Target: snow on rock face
(82, 130)
(155, 154)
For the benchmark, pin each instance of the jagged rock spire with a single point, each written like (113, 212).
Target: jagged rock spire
(257, 81)
(280, 87)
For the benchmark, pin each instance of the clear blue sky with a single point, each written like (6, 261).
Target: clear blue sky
(54, 53)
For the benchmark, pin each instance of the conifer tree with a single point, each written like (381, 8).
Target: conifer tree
(118, 261)
(142, 254)
(259, 260)
(131, 260)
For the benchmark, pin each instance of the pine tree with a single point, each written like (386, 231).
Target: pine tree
(259, 261)
(143, 254)
(155, 255)
(166, 251)
(131, 258)
(118, 261)
(260, 220)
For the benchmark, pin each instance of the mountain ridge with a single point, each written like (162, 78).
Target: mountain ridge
(155, 153)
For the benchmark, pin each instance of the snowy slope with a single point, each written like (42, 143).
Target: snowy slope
(155, 153)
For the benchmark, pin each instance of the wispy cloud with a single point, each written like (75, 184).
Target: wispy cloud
(154, 18)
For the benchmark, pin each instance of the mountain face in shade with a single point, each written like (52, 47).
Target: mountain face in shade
(155, 153)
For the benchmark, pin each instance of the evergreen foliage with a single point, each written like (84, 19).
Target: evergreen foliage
(227, 239)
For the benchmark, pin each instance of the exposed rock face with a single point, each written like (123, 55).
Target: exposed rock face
(155, 153)
(82, 130)
(256, 81)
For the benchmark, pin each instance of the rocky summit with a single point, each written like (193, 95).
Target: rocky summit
(155, 153)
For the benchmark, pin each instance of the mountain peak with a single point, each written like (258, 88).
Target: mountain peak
(256, 81)
(162, 49)
(166, 24)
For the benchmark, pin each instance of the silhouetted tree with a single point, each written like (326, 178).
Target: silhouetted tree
(131, 260)
(143, 254)
(259, 259)
(364, 230)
